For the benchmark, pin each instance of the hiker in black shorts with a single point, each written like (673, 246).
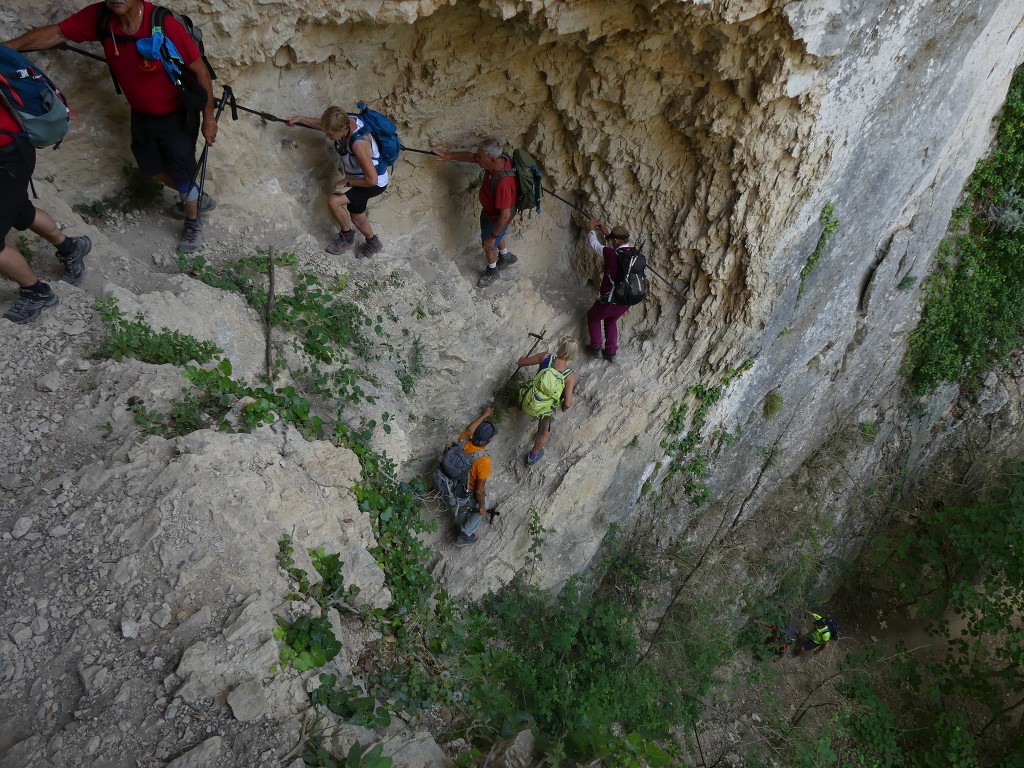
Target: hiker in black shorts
(17, 161)
(366, 176)
(164, 131)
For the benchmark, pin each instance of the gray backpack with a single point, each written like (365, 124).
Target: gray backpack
(451, 478)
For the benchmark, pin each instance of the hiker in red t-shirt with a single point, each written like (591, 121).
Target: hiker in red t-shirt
(17, 161)
(498, 192)
(164, 132)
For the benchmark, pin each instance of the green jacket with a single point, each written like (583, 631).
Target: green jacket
(820, 636)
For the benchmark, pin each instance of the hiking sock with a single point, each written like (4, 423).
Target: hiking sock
(503, 251)
(493, 266)
(41, 288)
(67, 247)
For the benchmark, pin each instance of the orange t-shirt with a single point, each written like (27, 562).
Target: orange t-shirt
(481, 469)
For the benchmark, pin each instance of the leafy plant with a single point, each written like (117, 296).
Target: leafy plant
(974, 297)
(137, 339)
(829, 224)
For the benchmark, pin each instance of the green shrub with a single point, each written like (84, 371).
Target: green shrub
(974, 298)
(137, 339)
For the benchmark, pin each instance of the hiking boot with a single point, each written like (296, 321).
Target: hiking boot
(506, 259)
(192, 238)
(596, 352)
(609, 356)
(533, 458)
(74, 262)
(29, 305)
(370, 247)
(208, 203)
(341, 243)
(462, 540)
(487, 278)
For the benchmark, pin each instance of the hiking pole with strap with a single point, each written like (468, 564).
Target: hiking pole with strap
(412, 149)
(493, 512)
(571, 205)
(538, 339)
(226, 96)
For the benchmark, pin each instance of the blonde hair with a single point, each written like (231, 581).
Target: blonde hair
(567, 348)
(333, 120)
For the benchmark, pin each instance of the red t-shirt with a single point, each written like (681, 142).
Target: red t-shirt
(146, 85)
(504, 196)
(7, 123)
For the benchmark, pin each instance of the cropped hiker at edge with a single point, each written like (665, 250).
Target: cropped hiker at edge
(461, 477)
(498, 193)
(550, 389)
(17, 162)
(605, 313)
(164, 131)
(360, 158)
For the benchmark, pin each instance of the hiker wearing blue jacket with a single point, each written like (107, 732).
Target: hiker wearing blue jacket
(360, 159)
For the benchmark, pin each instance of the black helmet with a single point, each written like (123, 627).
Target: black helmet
(484, 433)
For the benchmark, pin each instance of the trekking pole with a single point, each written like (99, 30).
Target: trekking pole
(571, 205)
(80, 51)
(538, 338)
(226, 96)
(413, 149)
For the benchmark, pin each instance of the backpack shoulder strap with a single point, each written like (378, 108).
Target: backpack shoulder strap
(499, 176)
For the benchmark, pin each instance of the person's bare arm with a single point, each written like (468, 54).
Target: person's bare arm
(461, 157)
(202, 73)
(570, 386)
(487, 411)
(38, 39)
(531, 360)
(481, 496)
(361, 149)
(312, 122)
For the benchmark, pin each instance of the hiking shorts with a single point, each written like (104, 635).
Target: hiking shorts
(166, 144)
(359, 196)
(17, 162)
(487, 228)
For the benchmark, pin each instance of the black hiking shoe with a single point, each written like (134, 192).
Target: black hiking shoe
(191, 237)
(342, 242)
(487, 278)
(74, 262)
(370, 247)
(609, 356)
(462, 540)
(29, 305)
(506, 259)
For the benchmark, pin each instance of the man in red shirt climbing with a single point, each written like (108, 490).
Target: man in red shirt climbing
(498, 193)
(163, 130)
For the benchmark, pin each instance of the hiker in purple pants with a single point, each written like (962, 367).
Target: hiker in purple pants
(604, 312)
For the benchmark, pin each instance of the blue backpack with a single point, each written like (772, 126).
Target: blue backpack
(384, 132)
(833, 628)
(35, 102)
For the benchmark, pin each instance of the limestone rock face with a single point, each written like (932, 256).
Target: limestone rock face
(715, 130)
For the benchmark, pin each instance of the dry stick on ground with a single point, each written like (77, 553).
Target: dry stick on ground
(268, 310)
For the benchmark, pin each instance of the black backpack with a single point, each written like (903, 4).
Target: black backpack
(631, 287)
(192, 93)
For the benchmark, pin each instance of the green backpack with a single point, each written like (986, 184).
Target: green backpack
(528, 182)
(542, 394)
